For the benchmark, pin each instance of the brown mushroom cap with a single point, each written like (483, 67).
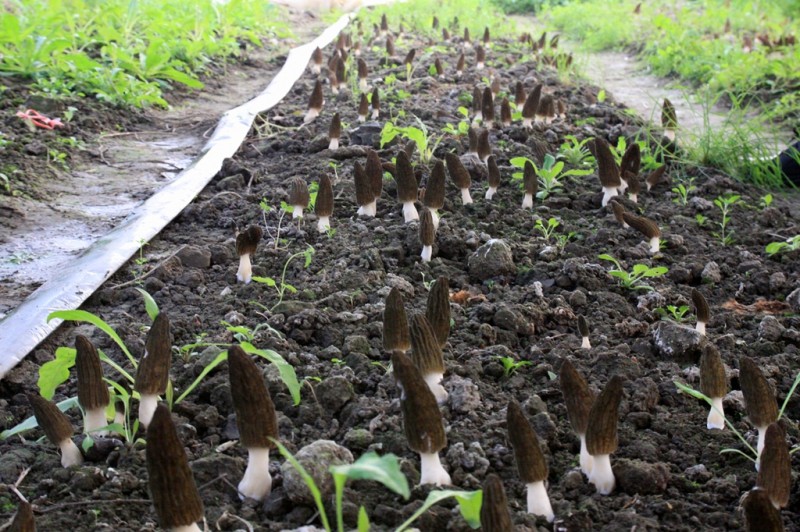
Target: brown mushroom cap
(631, 160)
(669, 119)
(384, 23)
(477, 100)
(316, 56)
(601, 431)
(486, 36)
(247, 241)
(473, 140)
(505, 111)
(547, 106)
(759, 400)
(396, 336)
(607, 169)
(364, 194)
(484, 148)
(376, 99)
(713, 381)
(461, 59)
(458, 173)
(583, 326)
(316, 99)
(407, 188)
(700, 306)
(324, 204)
(760, 513)
(634, 183)
(434, 192)
(335, 130)
(172, 488)
(438, 310)
(422, 421)
(775, 471)
(255, 412)
(618, 210)
(23, 520)
(390, 46)
(363, 71)
(495, 513)
(152, 375)
(410, 57)
(577, 396)
(646, 226)
(54, 422)
(529, 179)
(519, 95)
(92, 391)
(374, 169)
(427, 231)
(531, 464)
(532, 102)
(298, 192)
(363, 105)
(341, 73)
(425, 350)
(657, 176)
(487, 106)
(494, 172)
(480, 54)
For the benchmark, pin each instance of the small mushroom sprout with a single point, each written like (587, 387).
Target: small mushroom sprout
(427, 355)
(246, 244)
(601, 435)
(583, 329)
(57, 428)
(315, 103)
(298, 197)
(531, 464)
(427, 234)
(435, 191)
(406, 187)
(460, 176)
(495, 514)
(578, 399)
(607, 170)
(714, 384)
(152, 375)
(334, 132)
(323, 208)
(647, 227)
(759, 401)
(701, 310)
(92, 391)
(494, 177)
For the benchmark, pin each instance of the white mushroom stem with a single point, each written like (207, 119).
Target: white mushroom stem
(716, 415)
(297, 211)
(527, 122)
(335, 88)
(585, 343)
(623, 186)
(375, 113)
(634, 198)
(311, 114)
(608, 193)
(334, 144)
(586, 459)
(323, 224)
(427, 253)
(655, 244)
(95, 419)
(459, 73)
(602, 476)
(431, 470)
(670, 134)
(527, 201)
(433, 380)
(466, 199)
(362, 118)
(539, 501)
(148, 403)
(410, 211)
(435, 216)
(187, 528)
(245, 272)
(70, 454)
(315, 68)
(368, 210)
(479, 66)
(478, 117)
(256, 482)
(362, 84)
(490, 192)
(701, 327)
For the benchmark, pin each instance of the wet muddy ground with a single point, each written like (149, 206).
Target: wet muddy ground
(522, 304)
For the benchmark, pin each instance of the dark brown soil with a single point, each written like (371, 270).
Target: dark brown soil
(670, 472)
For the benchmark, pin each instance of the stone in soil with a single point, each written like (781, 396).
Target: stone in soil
(316, 458)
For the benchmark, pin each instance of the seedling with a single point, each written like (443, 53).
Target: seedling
(683, 193)
(790, 244)
(426, 143)
(575, 152)
(550, 174)
(546, 231)
(725, 204)
(510, 366)
(700, 219)
(282, 287)
(632, 280)
(765, 201)
(674, 313)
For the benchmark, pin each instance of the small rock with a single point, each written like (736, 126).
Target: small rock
(356, 344)
(577, 298)
(777, 281)
(463, 394)
(367, 134)
(572, 480)
(697, 473)
(506, 318)
(316, 458)
(358, 439)
(637, 477)
(770, 329)
(35, 148)
(168, 270)
(233, 182)
(793, 299)
(234, 318)
(194, 257)
(395, 281)
(492, 259)
(334, 392)
(679, 342)
(208, 355)
(711, 273)
(700, 203)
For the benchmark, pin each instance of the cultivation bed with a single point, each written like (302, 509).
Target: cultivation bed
(670, 472)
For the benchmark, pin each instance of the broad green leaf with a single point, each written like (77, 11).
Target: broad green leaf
(519, 162)
(82, 315)
(655, 272)
(469, 504)
(287, 373)
(619, 274)
(384, 469)
(54, 373)
(363, 520)
(31, 423)
(269, 281)
(290, 288)
(639, 269)
(775, 247)
(150, 305)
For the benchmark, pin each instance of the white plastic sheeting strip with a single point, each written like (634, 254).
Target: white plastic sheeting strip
(26, 326)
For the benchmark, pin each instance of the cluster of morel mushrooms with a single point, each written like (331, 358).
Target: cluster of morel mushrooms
(415, 345)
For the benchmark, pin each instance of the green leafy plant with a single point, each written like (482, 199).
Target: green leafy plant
(550, 174)
(725, 204)
(546, 230)
(673, 312)
(790, 244)
(765, 201)
(426, 143)
(683, 192)
(510, 366)
(700, 219)
(633, 280)
(575, 152)
(282, 287)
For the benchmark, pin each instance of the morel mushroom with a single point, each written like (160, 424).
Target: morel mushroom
(256, 420)
(384, 25)
(531, 106)
(334, 132)
(480, 57)
(152, 375)
(298, 197)
(314, 104)
(607, 170)
(92, 391)
(494, 177)
(23, 519)
(713, 384)
(472, 137)
(390, 51)
(484, 148)
(487, 39)
(519, 95)
(601, 435)
(459, 64)
(669, 119)
(578, 399)
(759, 401)
(57, 428)
(246, 244)
(760, 514)
(619, 213)
(363, 72)
(396, 335)
(583, 329)
(495, 514)
(422, 421)
(323, 208)
(427, 235)
(426, 354)
(629, 165)
(701, 310)
(505, 112)
(316, 61)
(437, 65)
(530, 183)
(647, 227)
(374, 169)
(531, 464)
(467, 42)
(376, 103)
(406, 186)
(487, 108)
(547, 109)
(364, 195)
(363, 107)
(775, 474)
(657, 176)
(477, 105)
(437, 310)
(172, 487)
(434, 192)
(460, 176)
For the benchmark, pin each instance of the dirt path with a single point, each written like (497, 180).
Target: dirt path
(127, 168)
